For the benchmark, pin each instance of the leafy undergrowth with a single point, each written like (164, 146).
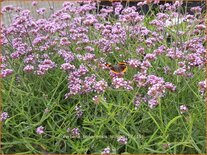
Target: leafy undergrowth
(60, 96)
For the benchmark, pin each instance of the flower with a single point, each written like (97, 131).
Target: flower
(106, 150)
(34, 3)
(122, 140)
(202, 87)
(121, 83)
(180, 71)
(140, 79)
(137, 101)
(67, 67)
(96, 99)
(170, 86)
(40, 130)
(28, 68)
(6, 72)
(7, 8)
(196, 9)
(79, 111)
(41, 11)
(133, 63)
(75, 133)
(64, 41)
(153, 103)
(4, 116)
(183, 109)
(100, 86)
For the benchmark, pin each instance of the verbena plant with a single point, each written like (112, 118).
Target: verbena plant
(103, 79)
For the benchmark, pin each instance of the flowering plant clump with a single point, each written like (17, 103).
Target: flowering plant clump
(103, 70)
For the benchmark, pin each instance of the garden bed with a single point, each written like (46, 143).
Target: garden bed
(112, 79)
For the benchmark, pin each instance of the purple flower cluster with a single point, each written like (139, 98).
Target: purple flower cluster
(4, 116)
(202, 87)
(137, 101)
(80, 41)
(44, 66)
(156, 88)
(74, 133)
(122, 140)
(121, 83)
(106, 150)
(6, 72)
(40, 130)
(79, 111)
(183, 109)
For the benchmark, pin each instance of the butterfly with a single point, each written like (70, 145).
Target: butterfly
(121, 67)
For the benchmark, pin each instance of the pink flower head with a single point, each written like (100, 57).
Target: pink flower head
(4, 116)
(170, 86)
(7, 8)
(79, 111)
(121, 83)
(6, 72)
(196, 9)
(64, 41)
(140, 79)
(67, 67)
(153, 103)
(183, 109)
(28, 68)
(75, 133)
(202, 87)
(41, 11)
(106, 150)
(40, 130)
(100, 86)
(34, 3)
(180, 71)
(133, 63)
(137, 101)
(122, 140)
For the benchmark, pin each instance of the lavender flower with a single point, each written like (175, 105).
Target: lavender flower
(183, 109)
(67, 67)
(122, 140)
(140, 79)
(28, 68)
(34, 3)
(121, 83)
(134, 63)
(79, 111)
(96, 99)
(100, 86)
(64, 41)
(106, 150)
(4, 116)
(75, 133)
(41, 11)
(40, 130)
(137, 101)
(6, 72)
(153, 102)
(170, 86)
(202, 87)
